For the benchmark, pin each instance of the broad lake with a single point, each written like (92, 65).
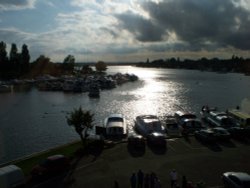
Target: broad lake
(33, 120)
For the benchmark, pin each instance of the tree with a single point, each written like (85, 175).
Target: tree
(14, 61)
(41, 66)
(82, 121)
(69, 63)
(100, 66)
(25, 58)
(3, 53)
(86, 69)
(13, 57)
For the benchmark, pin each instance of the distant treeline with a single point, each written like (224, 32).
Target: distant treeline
(235, 64)
(16, 64)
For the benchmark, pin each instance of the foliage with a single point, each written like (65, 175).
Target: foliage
(3, 52)
(18, 63)
(86, 69)
(82, 121)
(69, 63)
(100, 66)
(25, 58)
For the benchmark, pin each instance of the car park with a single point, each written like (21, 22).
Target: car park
(136, 141)
(52, 166)
(236, 180)
(221, 134)
(156, 139)
(205, 135)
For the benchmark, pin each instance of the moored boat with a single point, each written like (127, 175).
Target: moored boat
(116, 126)
(146, 124)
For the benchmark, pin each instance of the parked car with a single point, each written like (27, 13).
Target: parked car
(53, 165)
(156, 139)
(205, 135)
(189, 126)
(136, 141)
(180, 116)
(11, 176)
(221, 133)
(172, 127)
(237, 132)
(236, 179)
(247, 131)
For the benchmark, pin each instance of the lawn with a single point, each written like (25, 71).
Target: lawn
(67, 150)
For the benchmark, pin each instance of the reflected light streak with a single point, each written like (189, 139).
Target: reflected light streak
(155, 97)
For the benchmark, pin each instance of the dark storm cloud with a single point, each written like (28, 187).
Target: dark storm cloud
(199, 24)
(143, 29)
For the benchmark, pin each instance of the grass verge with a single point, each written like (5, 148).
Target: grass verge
(27, 163)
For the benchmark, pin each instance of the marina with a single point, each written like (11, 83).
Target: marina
(40, 116)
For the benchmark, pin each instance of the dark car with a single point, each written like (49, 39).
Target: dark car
(205, 135)
(136, 141)
(221, 134)
(236, 180)
(247, 131)
(53, 165)
(189, 126)
(237, 132)
(156, 139)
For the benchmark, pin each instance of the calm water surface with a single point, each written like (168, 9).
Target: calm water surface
(34, 121)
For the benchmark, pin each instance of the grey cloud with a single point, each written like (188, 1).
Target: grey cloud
(144, 30)
(121, 49)
(112, 32)
(82, 51)
(13, 35)
(199, 24)
(16, 4)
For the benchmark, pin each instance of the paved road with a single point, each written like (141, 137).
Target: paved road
(191, 158)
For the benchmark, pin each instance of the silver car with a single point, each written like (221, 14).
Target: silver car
(236, 180)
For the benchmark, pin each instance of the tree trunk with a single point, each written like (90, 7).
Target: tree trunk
(82, 139)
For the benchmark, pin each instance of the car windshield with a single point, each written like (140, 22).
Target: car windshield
(116, 119)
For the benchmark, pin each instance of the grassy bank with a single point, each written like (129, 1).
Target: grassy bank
(26, 164)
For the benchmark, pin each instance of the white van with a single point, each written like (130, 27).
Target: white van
(11, 176)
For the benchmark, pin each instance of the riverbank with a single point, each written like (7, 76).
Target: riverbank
(26, 163)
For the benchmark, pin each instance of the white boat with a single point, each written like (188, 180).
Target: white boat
(116, 126)
(146, 124)
(220, 119)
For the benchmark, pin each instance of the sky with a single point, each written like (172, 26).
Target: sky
(127, 30)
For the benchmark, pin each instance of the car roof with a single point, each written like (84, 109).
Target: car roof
(194, 120)
(55, 157)
(219, 129)
(206, 130)
(156, 134)
(241, 175)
